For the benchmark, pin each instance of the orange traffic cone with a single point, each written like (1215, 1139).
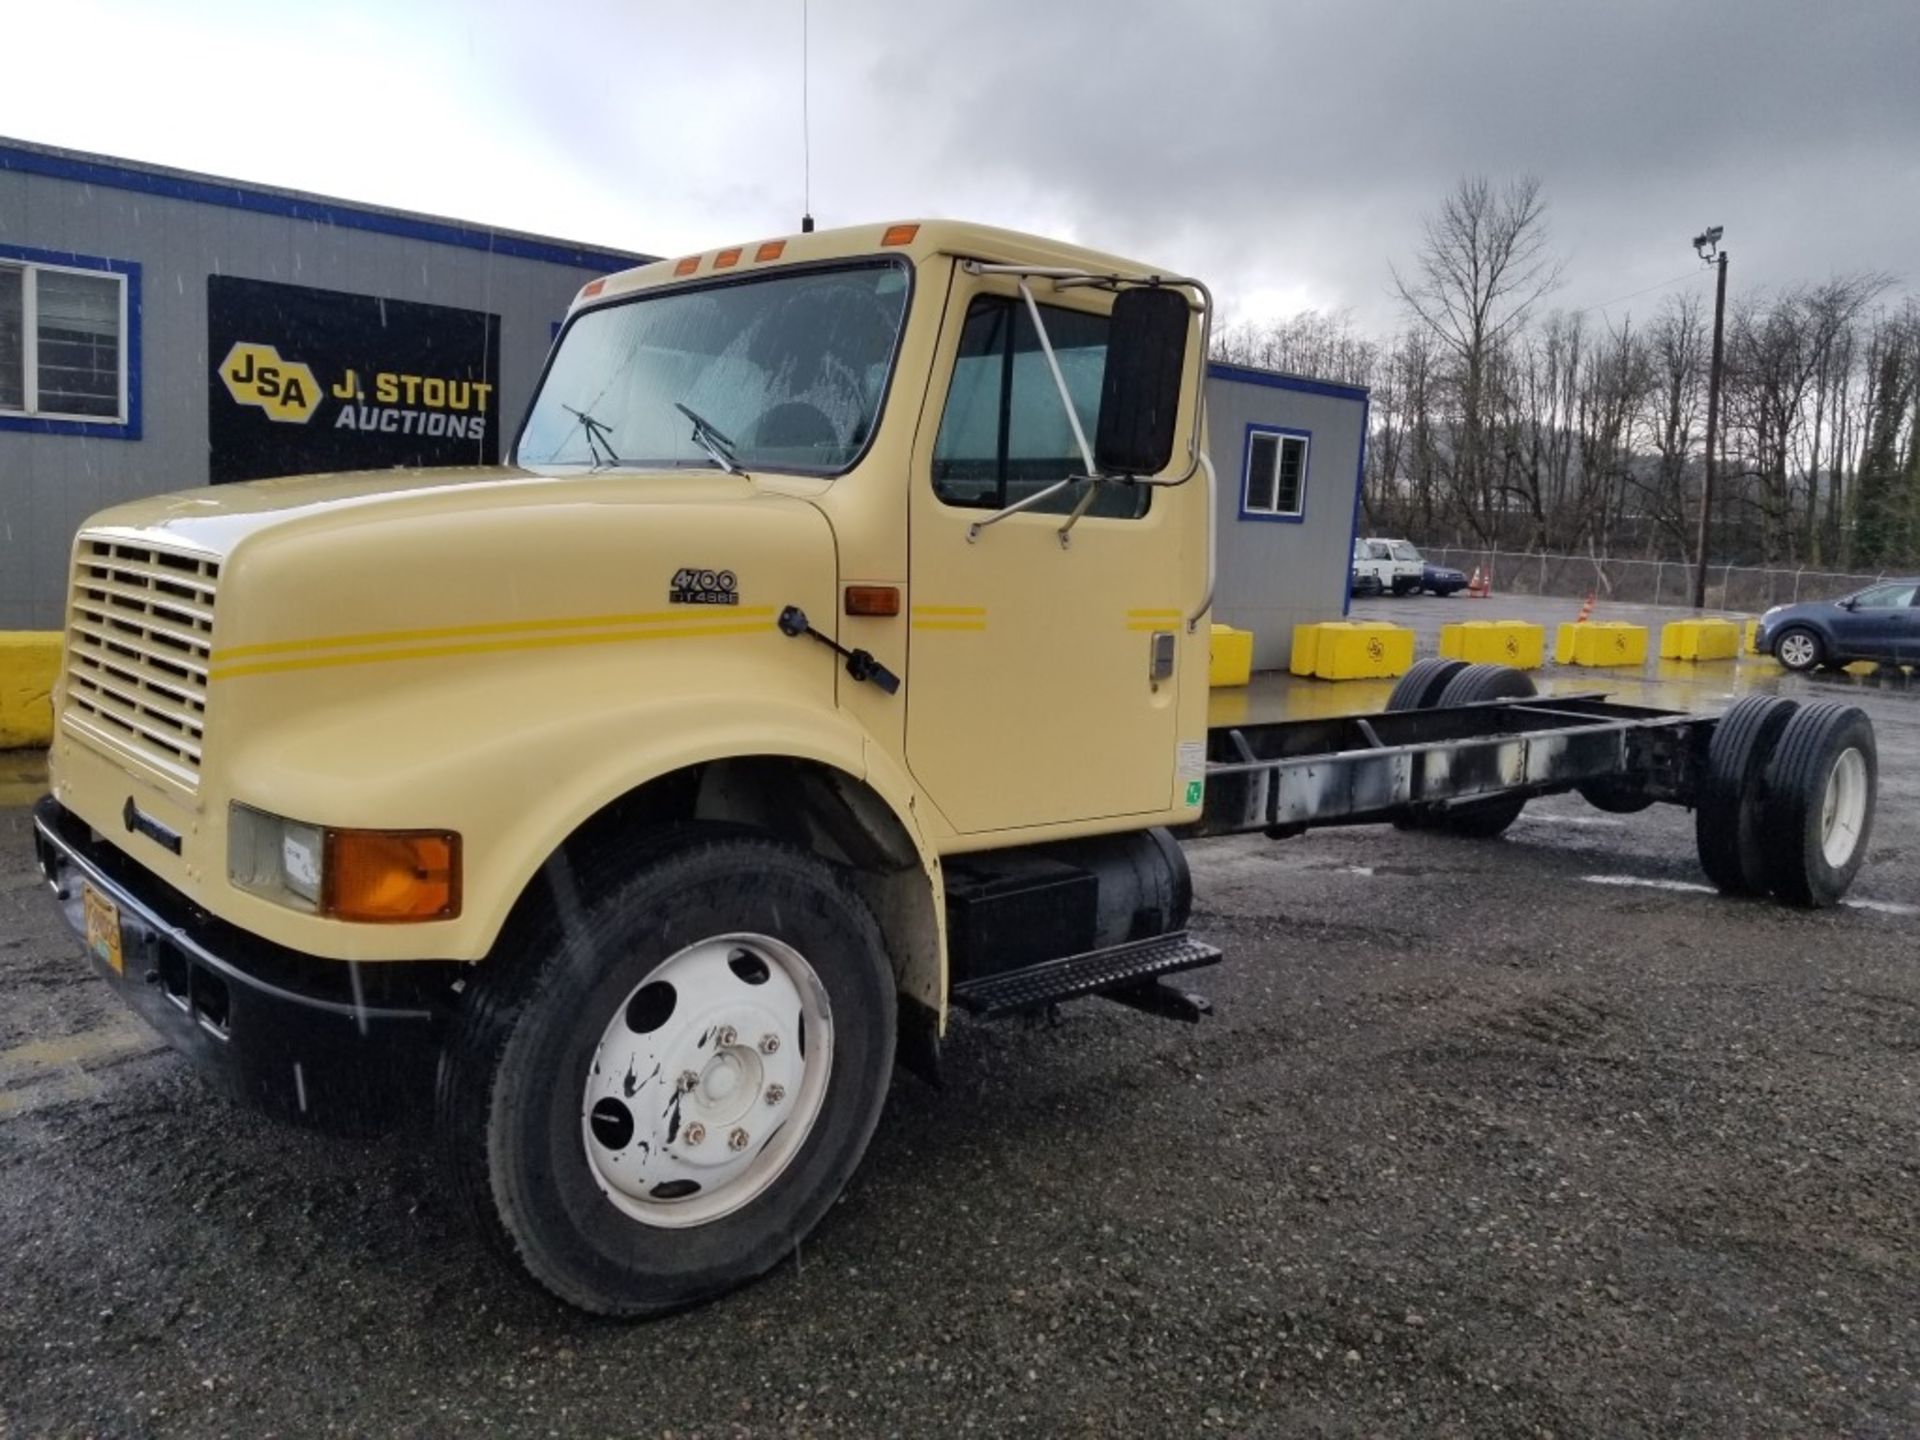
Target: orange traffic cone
(1477, 586)
(1586, 610)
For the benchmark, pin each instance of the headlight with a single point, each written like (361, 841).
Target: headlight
(365, 875)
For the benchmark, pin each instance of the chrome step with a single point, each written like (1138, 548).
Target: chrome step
(1096, 971)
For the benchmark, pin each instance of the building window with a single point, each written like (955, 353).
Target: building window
(1004, 435)
(66, 343)
(1275, 484)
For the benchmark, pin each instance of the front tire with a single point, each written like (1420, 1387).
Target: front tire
(655, 1101)
(1799, 649)
(1817, 814)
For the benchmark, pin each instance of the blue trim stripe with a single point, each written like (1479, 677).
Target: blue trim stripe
(129, 429)
(1257, 427)
(234, 196)
(1245, 375)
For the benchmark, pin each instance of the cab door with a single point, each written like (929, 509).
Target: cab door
(1033, 696)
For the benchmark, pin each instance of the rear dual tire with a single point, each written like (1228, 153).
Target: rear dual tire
(1436, 684)
(1786, 805)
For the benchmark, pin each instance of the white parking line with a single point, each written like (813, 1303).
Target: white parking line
(1686, 886)
(1689, 887)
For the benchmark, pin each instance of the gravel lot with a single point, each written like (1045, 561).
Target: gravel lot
(1523, 1137)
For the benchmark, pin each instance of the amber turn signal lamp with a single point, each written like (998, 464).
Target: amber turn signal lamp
(899, 234)
(876, 600)
(686, 266)
(392, 875)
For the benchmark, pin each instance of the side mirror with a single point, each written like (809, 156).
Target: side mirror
(1140, 394)
(1852, 602)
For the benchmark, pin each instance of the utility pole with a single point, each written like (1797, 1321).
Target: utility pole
(1708, 244)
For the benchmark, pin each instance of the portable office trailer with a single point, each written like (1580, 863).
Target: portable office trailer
(161, 329)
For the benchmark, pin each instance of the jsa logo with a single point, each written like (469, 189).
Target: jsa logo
(256, 375)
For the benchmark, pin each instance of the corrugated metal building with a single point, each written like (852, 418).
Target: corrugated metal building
(1289, 452)
(160, 330)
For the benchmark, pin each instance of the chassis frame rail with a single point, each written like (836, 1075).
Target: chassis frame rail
(1291, 775)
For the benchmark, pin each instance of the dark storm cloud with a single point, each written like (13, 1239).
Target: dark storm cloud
(1284, 152)
(1283, 147)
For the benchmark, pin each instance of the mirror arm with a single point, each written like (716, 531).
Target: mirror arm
(1080, 508)
(1213, 544)
(1059, 380)
(973, 530)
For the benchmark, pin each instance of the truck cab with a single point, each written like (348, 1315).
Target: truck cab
(1395, 564)
(834, 640)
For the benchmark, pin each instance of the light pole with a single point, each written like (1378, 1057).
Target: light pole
(1707, 243)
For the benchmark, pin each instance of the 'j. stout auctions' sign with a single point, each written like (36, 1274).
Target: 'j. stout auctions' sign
(308, 380)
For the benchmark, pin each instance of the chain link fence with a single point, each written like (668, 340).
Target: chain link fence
(1648, 582)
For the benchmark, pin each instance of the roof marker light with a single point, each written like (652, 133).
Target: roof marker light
(730, 256)
(687, 266)
(899, 234)
(592, 288)
(771, 250)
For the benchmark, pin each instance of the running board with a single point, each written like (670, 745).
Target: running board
(1093, 973)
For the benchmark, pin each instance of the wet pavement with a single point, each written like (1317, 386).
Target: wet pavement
(1523, 1137)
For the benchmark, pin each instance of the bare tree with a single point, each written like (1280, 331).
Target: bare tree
(1482, 265)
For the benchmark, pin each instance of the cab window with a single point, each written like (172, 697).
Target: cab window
(1004, 434)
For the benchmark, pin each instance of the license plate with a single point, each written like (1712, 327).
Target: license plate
(103, 928)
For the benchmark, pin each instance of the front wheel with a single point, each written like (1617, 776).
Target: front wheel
(655, 1101)
(1799, 649)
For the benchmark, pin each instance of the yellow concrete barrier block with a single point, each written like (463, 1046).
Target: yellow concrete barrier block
(1610, 642)
(1752, 643)
(29, 664)
(1518, 643)
(1229, 656)
(1306, 645)
(1699, 640)
(1363, 652)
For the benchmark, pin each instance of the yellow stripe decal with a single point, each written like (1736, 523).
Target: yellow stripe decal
(504, 627)
(485, 647)
(980, 610)
(949, 624)
(1153, 614)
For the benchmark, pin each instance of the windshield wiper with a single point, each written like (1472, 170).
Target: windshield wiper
(599, 439)
(712, 441)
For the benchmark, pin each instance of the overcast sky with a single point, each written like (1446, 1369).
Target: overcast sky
(1285, 152)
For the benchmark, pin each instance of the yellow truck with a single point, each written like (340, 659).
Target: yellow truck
(832, 652)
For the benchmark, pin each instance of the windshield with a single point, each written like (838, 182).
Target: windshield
(781, 372)
(1404, 551)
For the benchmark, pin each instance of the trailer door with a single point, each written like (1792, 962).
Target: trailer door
(1032, 697)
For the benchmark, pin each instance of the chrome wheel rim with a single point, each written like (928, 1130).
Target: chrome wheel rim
(707, 1079)
(1843, 811)
(1797, 651)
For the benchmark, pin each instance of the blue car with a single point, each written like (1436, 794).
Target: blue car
(1441, 579)
(1881, 622)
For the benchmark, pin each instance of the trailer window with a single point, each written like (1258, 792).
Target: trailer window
(62, 343)
(1004, 434)
(1274, 486)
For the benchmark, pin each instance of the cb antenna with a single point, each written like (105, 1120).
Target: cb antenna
(806, 134)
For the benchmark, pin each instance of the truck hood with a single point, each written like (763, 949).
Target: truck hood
(215, 518)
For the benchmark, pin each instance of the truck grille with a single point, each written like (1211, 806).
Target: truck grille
(139, 636)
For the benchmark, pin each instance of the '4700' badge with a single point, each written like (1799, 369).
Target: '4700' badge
(704, 587)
